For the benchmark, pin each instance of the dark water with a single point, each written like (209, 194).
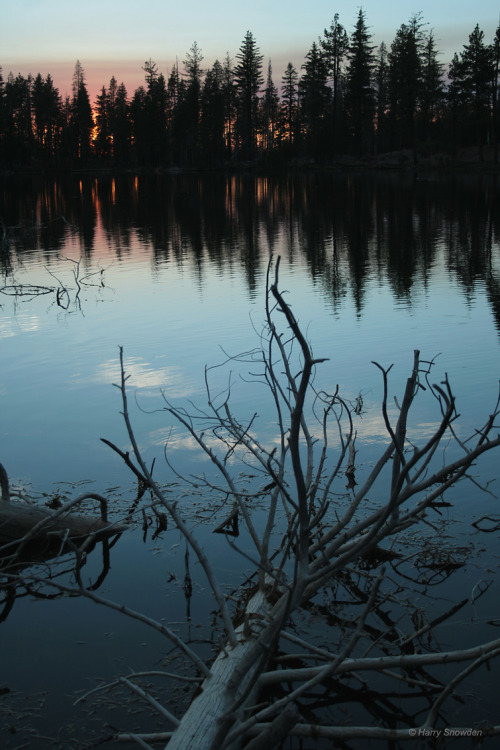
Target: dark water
(173, 269)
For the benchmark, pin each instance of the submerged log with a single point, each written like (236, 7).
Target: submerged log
(26, 523)
(19, 520)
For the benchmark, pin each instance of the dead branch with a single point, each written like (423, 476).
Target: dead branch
(308, 561)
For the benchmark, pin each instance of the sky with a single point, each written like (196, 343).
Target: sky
(116, 37)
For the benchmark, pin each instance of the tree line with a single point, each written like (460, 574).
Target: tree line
(349, 99)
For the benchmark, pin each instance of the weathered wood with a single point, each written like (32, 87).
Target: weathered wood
(231, 676)
(18, 520)
(29, 523)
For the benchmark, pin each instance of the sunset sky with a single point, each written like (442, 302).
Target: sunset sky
(116, 38)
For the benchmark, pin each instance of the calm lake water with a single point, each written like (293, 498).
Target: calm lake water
(174, 270)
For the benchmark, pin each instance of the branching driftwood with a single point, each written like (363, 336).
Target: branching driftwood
(312, 539)
(32, 534)
(62, 294)
(30, 530)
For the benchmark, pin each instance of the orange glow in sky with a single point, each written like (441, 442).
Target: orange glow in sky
(112, 38)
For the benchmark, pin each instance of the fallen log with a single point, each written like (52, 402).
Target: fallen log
(26, 524)
(18, 520)
(230, 688)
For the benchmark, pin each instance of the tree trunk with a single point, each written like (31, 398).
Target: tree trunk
(213, 712)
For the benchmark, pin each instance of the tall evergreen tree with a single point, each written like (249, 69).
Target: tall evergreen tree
(289, 85)
(248, 80)
(471, 89)
(335, 45)
(66, 150)
(192, 65)
(18, 115)
(39, 112)
(150, 69)
(120, 125)
(189, 111)
(360, 95)
(139, 126)
(455, 102)
(213, 116)
(82, 122)
(270, 113)
(173, 94)
(432, 89)
(230, 103)
(103, 137)
(111, 93)
(382, 98)
(78, 78)
(153, 125)
(477, 62)
(176, 91)
(315, 97)
(47, 117)
(405, 80)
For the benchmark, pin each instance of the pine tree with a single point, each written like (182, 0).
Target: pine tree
(110, 99)
(103, 138)
(455, 100)
(189, 111)
(248, 80)
(173, 94)
(112, 92)
(471, 90)
(213, 116)
(151, 70)
(432, 90)
(47, 117)
(289, 84)
(121, 126)
(139, 126)
(149, 110)
(18, 117)
(477, 61)
(82, 123)
(335, 45)
(360, 96)
(176, 92)
(78, 78)
(230, 103)
(405, 81)
(315, 97)
(270, 113)
(192, 65)
(382, 98)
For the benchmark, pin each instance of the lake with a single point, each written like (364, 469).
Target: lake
(173, 269)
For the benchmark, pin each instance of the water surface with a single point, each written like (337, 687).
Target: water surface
(173, 269)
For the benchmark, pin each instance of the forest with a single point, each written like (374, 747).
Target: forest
(349, 101)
